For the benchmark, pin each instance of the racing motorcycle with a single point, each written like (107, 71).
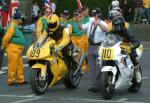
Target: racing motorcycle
(49, 68)
(118, 70)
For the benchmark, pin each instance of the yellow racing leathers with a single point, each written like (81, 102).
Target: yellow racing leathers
(65, 40)
(61, 36)
(13, 43)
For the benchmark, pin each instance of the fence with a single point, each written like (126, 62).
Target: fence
(29, 39)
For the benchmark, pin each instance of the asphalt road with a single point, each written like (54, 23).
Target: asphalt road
(59, 93)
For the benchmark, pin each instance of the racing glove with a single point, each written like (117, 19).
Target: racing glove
(58, 49)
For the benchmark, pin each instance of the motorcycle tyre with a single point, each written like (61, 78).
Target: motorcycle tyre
(135, 87)
(33, 83)
(103, 85)
(68, 82)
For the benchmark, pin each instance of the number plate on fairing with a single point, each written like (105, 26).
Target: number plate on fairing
(35, 53)
(107, 54)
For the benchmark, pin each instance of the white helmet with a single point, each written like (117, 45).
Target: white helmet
(115, 4)
(114, 13)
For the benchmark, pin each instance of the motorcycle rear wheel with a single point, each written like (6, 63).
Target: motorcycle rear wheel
(106, 87)
(71, 82)
(38, 86)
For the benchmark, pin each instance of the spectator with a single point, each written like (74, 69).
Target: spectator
(115, 4)
(115, 9)
(113, 14)
(85, 19)
(126, 10)
(146, 10)
(35, 11)
(79, 38)
(42, 22)
(13, 42)
(137, 11)
(64, 20)
(1, 50)
(85, 14)
(96, 31)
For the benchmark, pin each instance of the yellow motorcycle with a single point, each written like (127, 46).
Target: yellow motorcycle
(48, 68)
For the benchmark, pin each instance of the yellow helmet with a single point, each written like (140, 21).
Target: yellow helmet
(53, 22)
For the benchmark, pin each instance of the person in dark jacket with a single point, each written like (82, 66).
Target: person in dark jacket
(1, 50)
(127, 10)
(137, 11)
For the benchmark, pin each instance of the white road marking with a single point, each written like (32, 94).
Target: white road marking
(145, 42)
(94, 100)
(29, 96)
(26, 100)
(146, 53)
(19, 96)
(145, 77)
(25, 65)
(34, 97)
(146, 48)
(123, 99)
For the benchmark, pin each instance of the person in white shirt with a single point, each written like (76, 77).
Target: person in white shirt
(115, 10)
(35, 11)
(96, 31)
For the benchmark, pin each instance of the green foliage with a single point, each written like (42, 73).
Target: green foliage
(71, 5)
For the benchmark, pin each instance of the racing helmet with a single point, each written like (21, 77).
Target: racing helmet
(53, 22)
(118, 24)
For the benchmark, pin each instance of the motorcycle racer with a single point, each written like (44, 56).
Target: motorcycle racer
(58, 33)
(118, 27)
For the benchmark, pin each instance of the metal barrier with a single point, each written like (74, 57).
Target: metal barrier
(141, 31)
(29, 39)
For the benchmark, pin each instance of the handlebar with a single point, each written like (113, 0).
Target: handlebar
(52, 52)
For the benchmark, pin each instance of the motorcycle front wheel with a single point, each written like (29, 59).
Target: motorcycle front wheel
(37, 85)
(72, 81)
(106, 87)
(135, 87)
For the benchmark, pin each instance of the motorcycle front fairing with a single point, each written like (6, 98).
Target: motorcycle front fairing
(125, 67)
(110, 54)
(108, 57)
(39, 57)
(40, 49)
